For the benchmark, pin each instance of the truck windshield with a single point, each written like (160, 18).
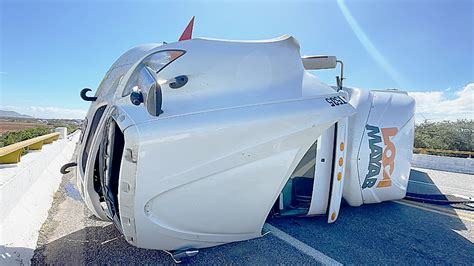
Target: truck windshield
(93, 128)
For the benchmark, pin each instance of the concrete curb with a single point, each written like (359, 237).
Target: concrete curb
(450, 164)
(27, 190)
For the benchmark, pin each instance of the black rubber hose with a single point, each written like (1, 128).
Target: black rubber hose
(64, 169)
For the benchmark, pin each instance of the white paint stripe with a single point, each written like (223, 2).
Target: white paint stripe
(433, 185)
(315, 254)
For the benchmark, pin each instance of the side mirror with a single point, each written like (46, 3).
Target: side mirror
(319, 62)
(147, 91)
(324, 62)
(154, 100)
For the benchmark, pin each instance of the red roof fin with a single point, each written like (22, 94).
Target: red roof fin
(188, 32)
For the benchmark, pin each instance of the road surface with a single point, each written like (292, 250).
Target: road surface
(389, 233)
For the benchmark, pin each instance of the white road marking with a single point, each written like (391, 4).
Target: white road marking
(433, 185)
(308, 250)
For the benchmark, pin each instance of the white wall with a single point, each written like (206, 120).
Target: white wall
(450, 164)
(62, 131)
(26, 194)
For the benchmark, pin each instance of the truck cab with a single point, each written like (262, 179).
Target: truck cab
(193, 144)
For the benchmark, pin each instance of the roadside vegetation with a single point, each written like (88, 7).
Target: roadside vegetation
(16, 130)
(445, 135)
(11, 137)
(71, 125)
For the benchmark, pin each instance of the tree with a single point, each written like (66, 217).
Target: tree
(445, 135)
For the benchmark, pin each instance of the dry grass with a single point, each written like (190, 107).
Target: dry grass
(6, 126)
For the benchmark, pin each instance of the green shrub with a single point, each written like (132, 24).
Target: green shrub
(9, 138)
(445, 135)
(70, 126)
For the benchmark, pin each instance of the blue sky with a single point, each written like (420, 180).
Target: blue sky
(50, 50)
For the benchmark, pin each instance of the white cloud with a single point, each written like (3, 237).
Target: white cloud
(47, 111)
(437, 105)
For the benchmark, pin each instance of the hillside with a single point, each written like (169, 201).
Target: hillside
(13, 114)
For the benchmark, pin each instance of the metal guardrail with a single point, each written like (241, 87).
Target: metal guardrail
(13, 152)
(470, 154)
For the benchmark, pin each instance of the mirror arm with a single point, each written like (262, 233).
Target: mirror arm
(341, 78)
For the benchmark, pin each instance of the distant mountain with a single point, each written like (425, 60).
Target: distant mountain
(13, 114)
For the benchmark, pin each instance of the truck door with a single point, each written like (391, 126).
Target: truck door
(316, 185)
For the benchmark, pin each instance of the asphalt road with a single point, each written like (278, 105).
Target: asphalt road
(386, 233)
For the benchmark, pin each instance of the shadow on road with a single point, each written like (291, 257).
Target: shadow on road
(95, 245)
(386, 233)
(390, 232)
(105, 245)
(13, 255)
(458, 191)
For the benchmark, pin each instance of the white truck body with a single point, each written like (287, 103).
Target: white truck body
(225, 135)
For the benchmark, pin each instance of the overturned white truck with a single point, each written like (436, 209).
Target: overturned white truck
(195, 143)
